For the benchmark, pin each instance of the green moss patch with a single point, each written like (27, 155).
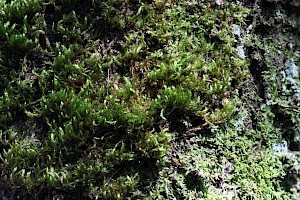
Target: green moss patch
(140, 100)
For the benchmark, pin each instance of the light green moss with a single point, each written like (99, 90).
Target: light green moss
(137, 99)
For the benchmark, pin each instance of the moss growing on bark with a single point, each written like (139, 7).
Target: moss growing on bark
(144, 100)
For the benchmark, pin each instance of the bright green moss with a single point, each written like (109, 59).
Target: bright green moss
(133, 99)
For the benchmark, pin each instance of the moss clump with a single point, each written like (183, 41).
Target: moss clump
(131, 99)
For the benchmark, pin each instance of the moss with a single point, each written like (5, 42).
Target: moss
(142, 99)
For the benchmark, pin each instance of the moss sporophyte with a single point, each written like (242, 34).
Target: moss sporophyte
(138, 99)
